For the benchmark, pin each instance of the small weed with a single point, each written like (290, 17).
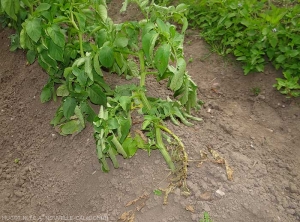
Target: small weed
(256, 91)
(157, 192)
(17, 161)
(206, 218)
(191, 60)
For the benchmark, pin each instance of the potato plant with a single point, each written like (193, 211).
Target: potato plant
(256, 32)
(74, 41)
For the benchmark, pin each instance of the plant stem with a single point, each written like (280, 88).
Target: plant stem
(142, 69)
(80, 44)
(163, 149)
(79, 32)
(143, 81)
(118, 146)
(185, 160)
(144, 99)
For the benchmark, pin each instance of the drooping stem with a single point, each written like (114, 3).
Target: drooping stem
(163, 149)
(118, 146)
(177, 140)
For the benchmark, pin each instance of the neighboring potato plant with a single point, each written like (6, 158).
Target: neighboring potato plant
(253, 31)
(74, 41)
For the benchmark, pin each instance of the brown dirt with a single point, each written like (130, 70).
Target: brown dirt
(61, 176)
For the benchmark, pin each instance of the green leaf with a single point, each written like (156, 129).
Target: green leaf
(23, 37)
(177, 79)
(292, 53)
(42, 7)
(87, 110)
(280, 58)
(70, 127)
(133, 68)
(79, 114)
(106, 56)
(34, 29)
(81, 77)
(55, 51)
(185, 25)
(81, 18)
(58, 116)
(69, 107)
(62, 90)
(30, 55)
(88, 67)
(48, 60)
(101, 37)
(56, 35)
(102, 11)
(125, 126)
(125, 102)
(97, 65)
(163, 27)
(11, 7)
(46, 94)
(157, 192)
(273, 40)
(162, 56)
(241, 58)
(121, 42)
(112, 124)
(130, 146)
(148, 43)
(97, 96)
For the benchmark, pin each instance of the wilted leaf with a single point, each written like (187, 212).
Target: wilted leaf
(70, 127)
(62, 90)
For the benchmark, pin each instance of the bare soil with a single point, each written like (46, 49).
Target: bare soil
(259, 136)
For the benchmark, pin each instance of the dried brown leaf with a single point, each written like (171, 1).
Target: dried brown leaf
(144, 196)
(139, 207)
(229, 171)
(206, 196)
(190, 208)
(203, 155)
(127, 216)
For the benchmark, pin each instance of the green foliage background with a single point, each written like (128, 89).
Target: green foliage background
(256, 32)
